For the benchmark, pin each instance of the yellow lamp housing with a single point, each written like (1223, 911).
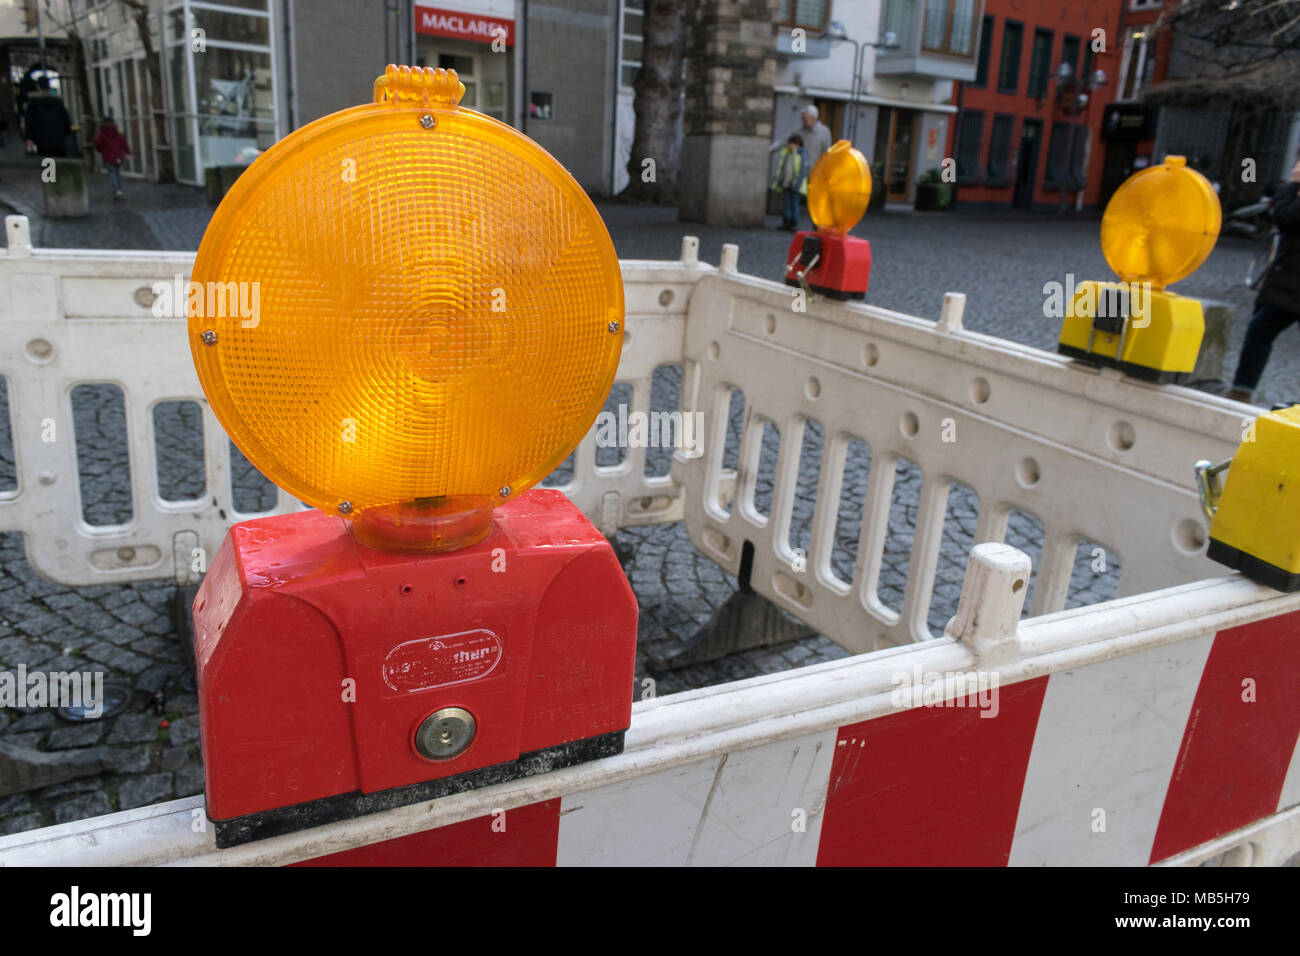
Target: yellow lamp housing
(1160, 225)
(1255, 516)
(434, 314)
(1152, 335)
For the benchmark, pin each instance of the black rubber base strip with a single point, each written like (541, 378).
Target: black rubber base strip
(1159, 376)
(1258, 570)
(345, 806)
(828, 292)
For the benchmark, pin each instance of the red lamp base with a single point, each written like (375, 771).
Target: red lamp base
(337, 680)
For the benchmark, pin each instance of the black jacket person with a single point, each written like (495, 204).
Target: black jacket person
(1278, 303)
(48, 123)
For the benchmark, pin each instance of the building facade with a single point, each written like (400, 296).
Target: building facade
(237, 75)
(893, 100)
(1028, 126)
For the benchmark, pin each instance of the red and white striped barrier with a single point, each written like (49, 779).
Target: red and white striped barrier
(1135, 732)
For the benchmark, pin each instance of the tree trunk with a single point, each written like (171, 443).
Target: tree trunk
(652, 167)
(162, 140)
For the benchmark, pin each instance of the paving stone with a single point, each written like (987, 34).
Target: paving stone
(80, 735)
(128, 759)
(39, 624)
(15, 803)
(82, 808)
(134, 728)
(28, 821)
(117, 658)
(184, 730)
(155, 677)
(138, 791)
(174, 758)
(152, 646)
(16, 650)
(84, 785)
(40, 720)
(189, 780)
(119, 632)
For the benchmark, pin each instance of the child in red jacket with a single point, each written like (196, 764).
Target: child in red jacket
(113, 148)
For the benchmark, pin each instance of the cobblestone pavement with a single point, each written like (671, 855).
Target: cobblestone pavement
(127, 631)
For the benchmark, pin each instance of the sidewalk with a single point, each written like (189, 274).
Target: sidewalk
(149, 216)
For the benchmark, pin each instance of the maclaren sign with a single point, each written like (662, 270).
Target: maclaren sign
(459, 25)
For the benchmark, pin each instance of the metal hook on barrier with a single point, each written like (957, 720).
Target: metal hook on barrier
(1208, 484)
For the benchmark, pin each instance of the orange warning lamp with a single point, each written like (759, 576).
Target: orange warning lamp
(1158, 227)
(409, 315)
(830, 261)
(439, 314)
(839, 189)
(1161, 224)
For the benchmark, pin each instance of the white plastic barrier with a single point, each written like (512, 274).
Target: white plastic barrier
(1092, 454)
(80, 317)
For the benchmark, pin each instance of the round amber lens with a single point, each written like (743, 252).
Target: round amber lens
(406, 305)
(839, 189)
(1161, 224)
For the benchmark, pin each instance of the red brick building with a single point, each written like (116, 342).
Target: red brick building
(1020, 134)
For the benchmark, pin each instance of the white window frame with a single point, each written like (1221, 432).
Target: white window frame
(1138, 37)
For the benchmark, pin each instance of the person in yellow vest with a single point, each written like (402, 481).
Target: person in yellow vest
(792, 176)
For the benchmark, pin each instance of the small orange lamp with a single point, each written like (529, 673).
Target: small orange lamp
(830, 261)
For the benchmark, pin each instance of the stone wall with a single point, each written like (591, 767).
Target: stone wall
(730, 69)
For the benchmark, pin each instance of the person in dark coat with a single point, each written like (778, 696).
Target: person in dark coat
(1278, 303)
(48, 123)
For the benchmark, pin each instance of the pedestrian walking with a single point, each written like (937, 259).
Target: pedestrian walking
(792, 177)
(113, 150)
(1278, 304)
(816, 137)
(48, 123)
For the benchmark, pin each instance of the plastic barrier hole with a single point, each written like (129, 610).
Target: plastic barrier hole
(813, 388)
(714, 350)
(769, 323)
(870, 354)
(1028, 473)
(406, 589)
(178, 450)
(909, 424)
(1020, 583)
(666, 298)
(1120, 436)
(668, 428)
(1189, 536)
(980, 391)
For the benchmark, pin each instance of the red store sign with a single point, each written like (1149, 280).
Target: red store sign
(436, 22)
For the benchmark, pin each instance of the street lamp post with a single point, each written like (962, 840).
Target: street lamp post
(1074, 98)
(835, 31)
